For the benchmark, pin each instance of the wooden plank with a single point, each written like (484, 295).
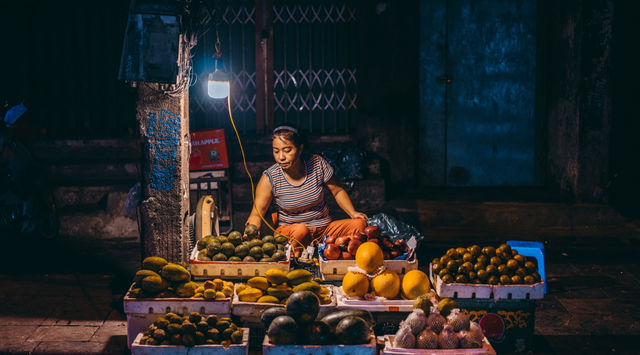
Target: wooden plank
(264, 65)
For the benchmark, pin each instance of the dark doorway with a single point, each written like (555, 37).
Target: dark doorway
(478, 93)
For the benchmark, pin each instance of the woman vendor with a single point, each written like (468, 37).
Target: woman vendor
(296, 184)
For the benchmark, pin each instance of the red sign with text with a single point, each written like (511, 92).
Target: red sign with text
(208, 150)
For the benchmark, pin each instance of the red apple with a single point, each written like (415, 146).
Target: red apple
(386, 244)
(394, 253)
(373, 232)
(385, 237)
(343, 243)
(330, 240)
(346, 256)
(386, 255)
(343, 240)
(375, 241)
(401, 245)
(360, 236)
(332, 252)
(353, 246)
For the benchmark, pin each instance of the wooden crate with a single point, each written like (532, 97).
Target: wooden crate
(233, 349)
(207, 270)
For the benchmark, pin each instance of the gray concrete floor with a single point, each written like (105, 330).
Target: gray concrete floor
(65, 298)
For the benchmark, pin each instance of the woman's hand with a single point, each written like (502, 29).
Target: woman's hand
(359, 215)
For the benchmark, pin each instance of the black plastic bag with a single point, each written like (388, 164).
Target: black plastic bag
(347, 162)
(394, 228)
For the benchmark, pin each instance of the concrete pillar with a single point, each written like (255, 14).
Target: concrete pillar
(164, 123)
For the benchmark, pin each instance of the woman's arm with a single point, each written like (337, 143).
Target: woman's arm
(261, 203)
(342, 198)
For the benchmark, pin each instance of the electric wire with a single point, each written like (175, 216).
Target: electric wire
(253, 195)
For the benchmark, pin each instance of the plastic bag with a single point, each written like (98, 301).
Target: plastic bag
(133, 199)
(347, 162)
(394, 228)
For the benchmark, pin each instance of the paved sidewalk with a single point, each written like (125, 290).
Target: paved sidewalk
(61, 314)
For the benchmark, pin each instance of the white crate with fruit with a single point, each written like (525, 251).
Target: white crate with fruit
(336, 255)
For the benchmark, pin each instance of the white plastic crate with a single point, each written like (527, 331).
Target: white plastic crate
(335, 270)
(497, 292)
(252, 311)
(141, 312)
(360, 349)
(233, 349)
(486, 349)
(383, 305)
(206, 270)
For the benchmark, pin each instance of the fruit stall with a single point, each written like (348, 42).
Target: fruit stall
(364, 295)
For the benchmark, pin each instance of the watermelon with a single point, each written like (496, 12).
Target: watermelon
(353, 330)
(334, 318)
(270, 314)
(316, 333)
(303, 306)
(283, 331)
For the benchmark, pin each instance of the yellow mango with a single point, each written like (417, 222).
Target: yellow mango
(251, 295)
(259, 282)
(276, 277)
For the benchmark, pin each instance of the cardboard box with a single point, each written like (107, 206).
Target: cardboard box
(507, 324)
(208, 150)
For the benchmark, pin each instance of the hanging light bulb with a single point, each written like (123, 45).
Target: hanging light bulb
(218, 87)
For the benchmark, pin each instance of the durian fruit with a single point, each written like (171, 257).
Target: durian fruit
(404, 337)
(458, 320)
(427, 339)
(435, 321)
(448, 339)
(417, 321)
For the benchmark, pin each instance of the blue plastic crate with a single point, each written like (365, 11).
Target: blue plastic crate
(532, 249)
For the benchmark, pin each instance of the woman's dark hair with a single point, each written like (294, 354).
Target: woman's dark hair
(290, 133)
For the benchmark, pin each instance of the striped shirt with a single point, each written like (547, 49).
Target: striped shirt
(304, 203)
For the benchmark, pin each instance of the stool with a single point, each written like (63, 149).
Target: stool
(532, 249)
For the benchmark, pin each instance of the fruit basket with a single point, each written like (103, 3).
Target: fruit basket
(233, 349)
(378, 305)
(141, 312)
(389, 349)
(234, 269)
(252, 311)
(360, 349)
(334, 270)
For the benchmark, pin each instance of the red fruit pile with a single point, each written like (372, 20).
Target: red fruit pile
(345, 247)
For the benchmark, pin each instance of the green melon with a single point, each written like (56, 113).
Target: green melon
(228, 249)
(268, 248)
(213, 248)
(235, 238)
(269, 239)
(242, 250)
(256, 252)
(279, 256)
(219, 257)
